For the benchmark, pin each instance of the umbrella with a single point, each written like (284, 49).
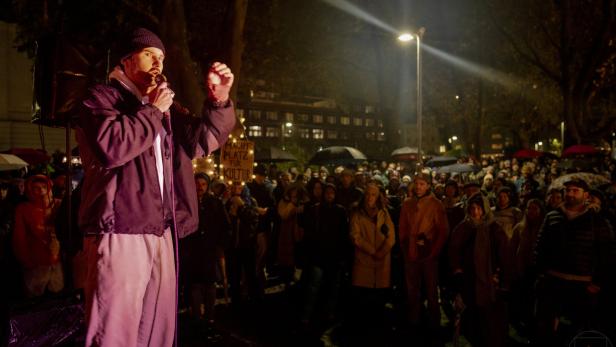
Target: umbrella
(593, 180)
(441, 161)
(31, 155)
(405, 153)
(528, 153)
(337, 155)
(579, 150)
(11, 162)
(457, 168)
(273, 155)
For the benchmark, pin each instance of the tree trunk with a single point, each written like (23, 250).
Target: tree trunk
(183, 73)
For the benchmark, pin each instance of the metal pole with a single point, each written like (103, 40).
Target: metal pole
(419, 100)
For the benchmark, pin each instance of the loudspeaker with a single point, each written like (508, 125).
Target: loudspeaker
(63, 72)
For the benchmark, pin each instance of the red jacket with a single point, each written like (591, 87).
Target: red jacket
(34, 236)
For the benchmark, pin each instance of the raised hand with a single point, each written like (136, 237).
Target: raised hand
(219, 82)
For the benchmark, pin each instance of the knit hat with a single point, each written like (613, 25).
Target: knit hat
(139, 39)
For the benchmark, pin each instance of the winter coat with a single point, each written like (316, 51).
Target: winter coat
(426, 218)
(34, 236)
(373, 240)
(582, 246)
(116, 133)
(290, 233)
(462, 256)
(326, 231)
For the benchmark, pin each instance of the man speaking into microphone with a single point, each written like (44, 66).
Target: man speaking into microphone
(136, 148)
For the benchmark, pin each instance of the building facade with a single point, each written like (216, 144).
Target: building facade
(304, 125)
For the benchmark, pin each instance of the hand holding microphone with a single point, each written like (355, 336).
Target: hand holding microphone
(162, 96)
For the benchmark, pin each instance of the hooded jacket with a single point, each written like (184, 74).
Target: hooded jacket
(121, 191)
(34, 237)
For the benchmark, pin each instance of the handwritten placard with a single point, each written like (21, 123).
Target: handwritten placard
(237, 159)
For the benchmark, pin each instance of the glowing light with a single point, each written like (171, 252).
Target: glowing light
(254, 164)
(242, 119)
(359, 13)
(406, 37)
(220, 166)
(457, 97)
(454, 137)
(241, 136)
(254, 176)
(288, 124)
(251, 152)
(230, 183)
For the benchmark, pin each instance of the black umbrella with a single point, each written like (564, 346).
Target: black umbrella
(273, 155)
(337, 155)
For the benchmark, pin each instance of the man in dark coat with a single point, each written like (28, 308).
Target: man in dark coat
(573, 253)
(136, 146)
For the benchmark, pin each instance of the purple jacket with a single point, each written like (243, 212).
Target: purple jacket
(121, 192)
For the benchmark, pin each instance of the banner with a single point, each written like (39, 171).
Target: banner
(237, 159)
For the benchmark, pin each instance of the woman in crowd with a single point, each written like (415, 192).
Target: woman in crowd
(372, 234)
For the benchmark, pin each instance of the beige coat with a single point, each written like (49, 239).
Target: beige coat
(372, 262)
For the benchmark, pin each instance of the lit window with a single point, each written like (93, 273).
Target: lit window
(497, 136)
(370, 135)
(369, 109)
(317, 134)
(379, 123)
(254, 131)
(369, 122)
(239, 112)
(304, 133)
(272, 132)
(317, 118)
(288, 116)
(358, 122)
(331, 119)
(381, 136)
(345, 120)
(271, 115)
(497, 146)
(255, 114)
(332, 134)
(302, 117)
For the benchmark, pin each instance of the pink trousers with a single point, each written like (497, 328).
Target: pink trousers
(130, 290)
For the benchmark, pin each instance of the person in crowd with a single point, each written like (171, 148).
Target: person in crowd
(423, 232)
(554, 199)
(139, 189)
(199, 254)
(372, 234)
(34, 239)
(479, 255)
(505, 214)
(347, 194)
(289, 208)
(326, 228)
(523, 244)
(241, 254)
(263, 194)
(315, 190)
(575, 248)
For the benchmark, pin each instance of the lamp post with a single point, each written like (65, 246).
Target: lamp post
(406, 37)
(283, 126)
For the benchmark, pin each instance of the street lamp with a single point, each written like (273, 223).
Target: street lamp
(282, 132)
(407, 37)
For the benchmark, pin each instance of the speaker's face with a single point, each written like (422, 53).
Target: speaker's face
(143, 67)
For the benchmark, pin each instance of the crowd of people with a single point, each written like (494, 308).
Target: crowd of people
(498, 248)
